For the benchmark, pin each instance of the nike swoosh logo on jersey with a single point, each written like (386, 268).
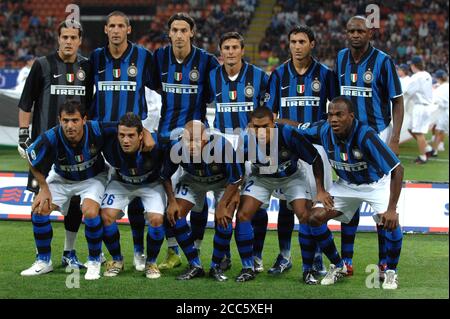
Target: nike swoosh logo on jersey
(342, 75)
(284, 87)
(218, 94)
(101, 71)
(56, 75)
(164, 73)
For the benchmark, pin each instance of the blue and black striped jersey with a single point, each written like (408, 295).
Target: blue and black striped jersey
(138, 168)
(301, 98)
(221, 162)
(234, 100)
(120, 83)
(77, 163)
(281, 155)
(362, 158)
(371, 84)
(184, 87)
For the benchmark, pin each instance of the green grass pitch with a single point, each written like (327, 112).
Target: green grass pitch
(423, 271)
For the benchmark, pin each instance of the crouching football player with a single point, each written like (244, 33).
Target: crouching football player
(209, 164)
(135, 175)
(74, 149)
(276, 170)
(367, 171)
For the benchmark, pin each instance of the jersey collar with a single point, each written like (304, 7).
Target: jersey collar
(186, 60)
(364, 56)
(294, 72)
(125, 55)
(241, 72)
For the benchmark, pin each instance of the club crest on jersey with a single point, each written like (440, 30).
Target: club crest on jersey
(315, 85)
(81, 75)
(92, 150)
(368, 77)
(249, 91)
(357, 153)
(132, 71)
(194, 75)
(344, 156)
(200, 172)
(70, 77)
(354, 77)
(178, 76)
(300, 88)
(233, 95)
(116, 73)
(79, 158)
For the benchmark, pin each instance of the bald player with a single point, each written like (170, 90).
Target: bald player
(209, 164)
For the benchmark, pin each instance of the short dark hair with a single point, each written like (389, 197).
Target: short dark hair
(131, 120)
(181, 16)
(302, 29)
(71, 106)
(262, 112)
(348, 103)
(120, 14)
(231, 35)
(74, 24)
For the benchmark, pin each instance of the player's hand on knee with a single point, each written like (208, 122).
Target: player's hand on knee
(326, 199)
(42, 203)
(234, 202)
(390, 220)
(173, 212)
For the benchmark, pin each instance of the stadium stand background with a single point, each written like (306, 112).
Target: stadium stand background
(407, 27)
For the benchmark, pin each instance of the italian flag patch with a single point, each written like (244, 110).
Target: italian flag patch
(178, 76)
(116, 73)
(354, 77)
(344, 156)
(233, 95)
(79, 158)
(70, 77)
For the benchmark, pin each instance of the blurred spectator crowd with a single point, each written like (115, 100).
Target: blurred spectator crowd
(407, 28)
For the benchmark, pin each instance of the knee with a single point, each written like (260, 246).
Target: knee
(155, 220)
(107, 220)
(90, 212)
(244, 216)
(314, 220)
(303, 216)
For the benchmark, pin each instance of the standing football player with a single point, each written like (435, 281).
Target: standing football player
(181, 75)
(368, 77)
(121, 72)
(237, 88)
(299, 90)
(52, 80)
